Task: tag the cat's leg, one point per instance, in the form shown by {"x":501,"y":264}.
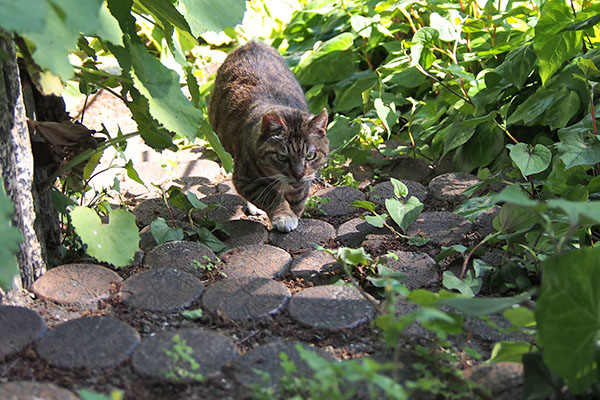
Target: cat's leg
{"x":283,"y":218}
{"x":253,"y":210}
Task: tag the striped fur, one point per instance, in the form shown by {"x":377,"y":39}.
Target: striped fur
{"x":258,"y":110}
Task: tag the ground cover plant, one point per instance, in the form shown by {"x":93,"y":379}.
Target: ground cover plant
{"x":503,"y":89}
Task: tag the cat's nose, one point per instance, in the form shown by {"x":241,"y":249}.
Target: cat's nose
{"x":298,"y":174}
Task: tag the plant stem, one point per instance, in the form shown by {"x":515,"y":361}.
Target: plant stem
{"x":473,"y":250}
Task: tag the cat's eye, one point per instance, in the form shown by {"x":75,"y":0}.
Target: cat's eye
{"x":282,"y":157}
{"x":311,"y":156}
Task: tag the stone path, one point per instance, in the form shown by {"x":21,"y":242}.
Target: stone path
{"x":187,"y":322}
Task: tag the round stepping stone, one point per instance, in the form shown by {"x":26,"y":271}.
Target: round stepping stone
{"x":504,"y":380}
{"x":163,"y":289}
{"x":243,"y":232}
{"x":313,"y":264}
{"x":25,"y":390}
{"x":340,"y":201}
{"x":88,"y":343}
{"x":183,"y":255}
{"x":157,"y":357}
{"x":420,"y":269}
{"x":246,"y":298}
{"x":259,"y":260}
{"x":19,"y":326}
{"x":148,"y":210}
{"x":76,"y":284}
{"x":442,"y":227}
{"x":385,"y":190}
{"x":199,"y":168}
{"x":267,"y":359}
{"x":352,"y":233}
{"x":483,"y":223}
{"x":412,"y":169}
{"x":227,"y":207}
{"x":309,"y":231}
{"x":330,"y":307}
{"x":449,"y":187}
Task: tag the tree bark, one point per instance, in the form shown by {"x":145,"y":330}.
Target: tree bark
{"x":16,"y":165}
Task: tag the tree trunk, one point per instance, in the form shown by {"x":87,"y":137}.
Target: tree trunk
{"x":16,"y":165}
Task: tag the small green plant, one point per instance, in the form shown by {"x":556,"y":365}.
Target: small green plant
{"x":208,"y":265}
{"x":314,"y":205}
{"x":402,"y":213}
{"x":183,"y":363}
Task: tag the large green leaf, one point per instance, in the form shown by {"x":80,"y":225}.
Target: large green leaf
{"x":330,"y":62}
{"x":341,"y":131}
{"x":530,"y":160}
{"x":568,"y":316}
{"x":65,"y":20}
{"x":11,"y":237}
{"x":160,"y":86}
{"x":404,"y":214}
{"x":23,"y":15}
{"x":552,"y":44}
{"x":423,"y":41}
{"x":574,"y":149}
{"x":115,"y":242}
{"x":479,"y":307}
{"x":210,"y":15}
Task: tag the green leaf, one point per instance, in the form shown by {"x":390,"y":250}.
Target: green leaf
{"x":160,"y":86}
{"x":478,"y":307}
{"x":341,"y":132}
{"x":215,"y":143}
{"x":192,"y":314}
{"x":552,"y":44}
{"x":132,"y":173}
{"x":353,"y":256}
{"x":115,"y":242}
{"x":579,"y":26}
{"x":520,"y":316}
{"x":11,"y":238}
{"x":530,"y":161}
{"x":165,"y":12}
{"x":400,"y":189}
{"x":404,"y":214}
{"x":377,"y":221}
{"x":367,"y":205}
{"x":469,"y":286}
{"x":533,"y":107}
{"x":210,"y":15}
{"x":387,"y":114}
{"x":586,"y":213}
{"x":540,"y":382}
{"x":23,"y":15}
{"x":161,"y":232}
{"x":568,"y":316}
{"x":461,"y":131}
{"x":330,"y":62}
{"x":509,"y":351}
{"x":422,"y":40}
{"x":207,"y":238}
{"x":448,"y":31}
{"x":574,"y":150}
{"x":195,"y":201}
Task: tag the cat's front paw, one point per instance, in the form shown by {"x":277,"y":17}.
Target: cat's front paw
{"x":285,"y":223}
{"x":253,"y":210}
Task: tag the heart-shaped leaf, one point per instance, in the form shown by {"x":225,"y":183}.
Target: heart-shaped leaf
{"x":115,"y":242}
{"x":404,"y":214}
{"x":530,"y":161}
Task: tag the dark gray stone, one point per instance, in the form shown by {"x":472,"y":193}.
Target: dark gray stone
{"x":222,"y":207}
{"x":420,"y":269}
{"x":352,"y":233}
{"x":246,"y":298}
{"x":331,"y":307}
{"x":26,"y":390}
{"x":244,"y":232}
{"x":19,"y":326}
{"x":309,"y":231}
{"x":259,"y":260}
{"x":148,"y":210}
{"x":410,"y":168}
{"x":449,"y":187}
{"x":266,"y":358}
{"x":483,"y":223}
{"x":442,"y":227}
{"x":76,"y":284}
{"x":88,"y":343}
{"x":163,"y":289}
{"x":209,"y":349}
{"x":313,"y":264}
{"x":504,"y":380}
{"x":340,"y":201}
{"x":183,"y":255}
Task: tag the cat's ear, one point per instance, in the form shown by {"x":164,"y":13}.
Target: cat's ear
{"x":272,"y":122}
{"x":319,"y":122}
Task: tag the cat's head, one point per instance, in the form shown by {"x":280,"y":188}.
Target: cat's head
{"x":293,"y":144}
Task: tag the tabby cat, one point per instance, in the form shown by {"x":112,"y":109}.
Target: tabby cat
{"x":258,"y":110}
